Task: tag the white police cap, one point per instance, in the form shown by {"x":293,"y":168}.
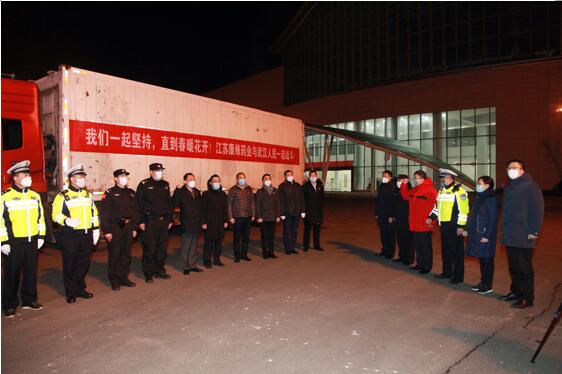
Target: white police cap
{"x":446,"y":173}
{"x":20,"y":167}
{"x":75,"y":170}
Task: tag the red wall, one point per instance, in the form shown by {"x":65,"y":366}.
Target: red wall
{"x":525,"y":95}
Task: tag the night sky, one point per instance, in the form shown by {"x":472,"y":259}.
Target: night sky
{"x":192,"y":47}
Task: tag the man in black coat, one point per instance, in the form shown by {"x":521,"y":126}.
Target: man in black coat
{"x":402,"y":226}
{"x":522,"y":219}
{"x":385,"y":212}
{"x":313,"y":191}
{"x":188,"y":199}
{"x":291,"y":203}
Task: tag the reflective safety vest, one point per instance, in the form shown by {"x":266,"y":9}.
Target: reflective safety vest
{"x":22,"y":215}
{"x":76,"y":204}
{"x":445,"y":203}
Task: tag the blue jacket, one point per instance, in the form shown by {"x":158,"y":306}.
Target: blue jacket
{"x":522,"y":212}
{"x":483,"y":223}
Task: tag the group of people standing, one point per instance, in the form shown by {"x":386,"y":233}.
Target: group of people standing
{"x":148,"y":213}
{"x":407,"y":215}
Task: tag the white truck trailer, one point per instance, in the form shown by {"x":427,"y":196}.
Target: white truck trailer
{"x":107,"y":123}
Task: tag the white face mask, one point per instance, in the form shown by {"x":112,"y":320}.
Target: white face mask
{"x":513,"y":173}
{"x":267,"y":183}
{"x":26,"y":182}
{"x":122,"y":181}
{"x":216,"y":186}
{"x":313,"y":179}
{"x":398,"y":184}
{"x":158,"y":175}
{"x":418,"y":181}
{"x":385,"y":180}
{"x":191,"y":184}
{"x":81,"y":182}
{"x":290,"y":178}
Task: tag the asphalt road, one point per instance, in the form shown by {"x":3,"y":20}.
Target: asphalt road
{"x":339,"y":311}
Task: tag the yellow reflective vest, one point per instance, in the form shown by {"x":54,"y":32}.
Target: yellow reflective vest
{"x":445,"y":203}
{"x":22,"y":215}
{"x":72,"y":203}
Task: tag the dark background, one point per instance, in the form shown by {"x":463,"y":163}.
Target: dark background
{"x":193,"y":47}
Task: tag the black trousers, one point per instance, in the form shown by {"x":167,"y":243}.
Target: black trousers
{"x":522,"y":275}
{"x":267,"y":237}
{"x":315,"y":227}
{"x":189,"y":249}
{"x":290,"y":226}
{"x":424,"y":249}
{"x":212,"y":251}
{"x":76,"y":253}
{"x":388,"y":238}
{"x":241,"y":235}
{"x":487,"y":272}
{"x":155,"y":245}
{"x":405,"y":243}
{"x":22,"y":259}
{"x":452,"y":251}
{"x":119,"y":254}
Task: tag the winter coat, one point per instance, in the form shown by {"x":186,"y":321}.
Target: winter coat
{"x":387,"y":198}
{"x":267,"y":204}
{"x":522,"y":212}
{"x":421,"y":202}
{"x":314,"y":201}
{"x":241,"y":202}
{"x":291,"y":199}
{"x":402,"y":208}
{"x":190,"y":209}
{"x":214,"y":213}
{"x":482,"y":223}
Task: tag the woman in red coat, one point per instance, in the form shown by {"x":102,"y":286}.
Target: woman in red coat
{"x":421,"y":200}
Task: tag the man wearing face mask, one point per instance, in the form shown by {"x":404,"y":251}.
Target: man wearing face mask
{"x":522,"y":219}
{"x":385,"y":213}
{"x":119,"y":220}
{"x":403,"y":233}
{"x":267,"y":213}
{"x":313,"y":192}
{"x":291,"y":201}
{"x":22,"y":233}
{"x":155,"y":216}
{"x":451,"y":210}
{"x":75,"y":211}
{"x":241,"y":213}
{"x":188,"y":199}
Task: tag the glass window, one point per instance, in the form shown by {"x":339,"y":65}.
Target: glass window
{"x":414,"y":126}
{"x":427,"y":126}
{"x":482,"y":149}
{"x":482,"y":121}
{"x":493,"y":121}
{"x":402,"y":127}
{"x":467,"y":122}
{"x":370,"y":126}
{"x":379,"y":127}
{"x":390,"y":122}
{"x":12,"y":135}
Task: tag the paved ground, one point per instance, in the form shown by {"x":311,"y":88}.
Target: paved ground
{"x":341,"y":311}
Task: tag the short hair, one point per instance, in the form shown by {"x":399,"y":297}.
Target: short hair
{"x":265,"y":175}
{"x":187,"y":175}
{"x":518,"y":161}
{"x":488,"y":180}
{"x":313,"y":171}
{"x":402,"y":176}
{"x":287,"y":171}
{"x":387,"y":172}
{"x":240,"y":173}
{"x":421,"y":173}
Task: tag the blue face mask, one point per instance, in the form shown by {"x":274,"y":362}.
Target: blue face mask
{"x":479,"y":188}
{"x":216,"y":186}
{"x":241,"y":182}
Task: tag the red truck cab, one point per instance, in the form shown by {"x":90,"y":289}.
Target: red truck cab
{"x":22,"y":137}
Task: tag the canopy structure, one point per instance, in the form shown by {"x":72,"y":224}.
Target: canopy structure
{"x":391,"y":146}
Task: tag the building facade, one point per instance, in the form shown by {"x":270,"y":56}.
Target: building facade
{"x":473,"y":84}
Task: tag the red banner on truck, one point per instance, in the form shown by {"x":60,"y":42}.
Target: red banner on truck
{"x":109,"y":138}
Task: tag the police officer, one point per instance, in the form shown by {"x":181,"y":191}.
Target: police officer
{"x":155,"y":216}
{"x":75,"y":211}
{"x":119,"y":219}
{"x":22,"y":233}
{"x":451,"y":209}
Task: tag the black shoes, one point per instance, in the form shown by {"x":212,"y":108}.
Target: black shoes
{"x":396,"y":260}
{"x":85,"y":295}
{"x":318,"y":248}
{"x":221,"y":264}
{"x":236,"y":260}
{"x":423,"y":271}
{"x":380,"y":254}
{"x":484,"y":291}
{"x":476,"y":287}
{"x":70,"y":299}
{"x":272,"y":255}
{"x":454,"y":281}
{"x":246,"y":258}
{"x":442,"y":276}
{"x":417,"y":267}
{"x":148,"y":278}
{"x":128,"y":283}
{"x":196,"y":270}
{"x":115,"y":287}
{"x":208,"y":266}
{"x":186,"y":271}
{"x":162,"y":275}
{"x":521,"y":304}
{"x":10,"y":313}
{"x":509,"y":297}
{"x":305,"y":249}
{"x":32,"y":306}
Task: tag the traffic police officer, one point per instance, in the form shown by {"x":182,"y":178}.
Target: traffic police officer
{"x":75,"y":211}
{"x":22,"y":233}
{"x":119,"y":219}
{"x":155,"y":216}
{"x":451,"y":209}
